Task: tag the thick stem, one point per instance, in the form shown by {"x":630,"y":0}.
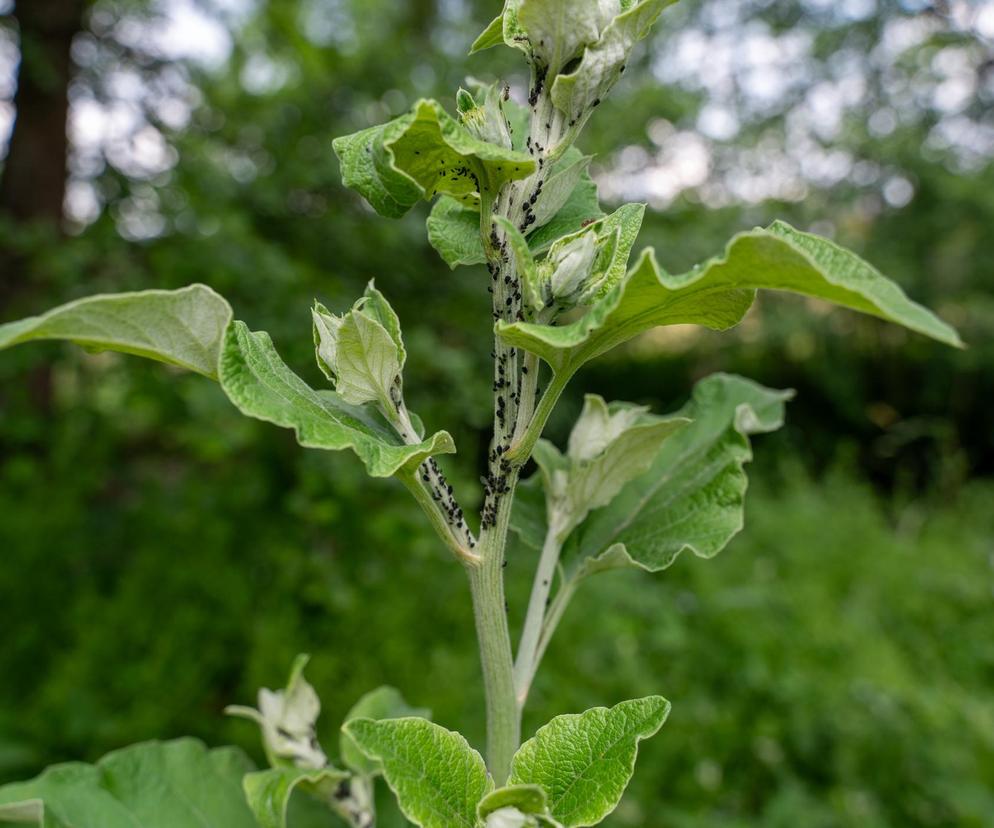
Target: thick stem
{"x":490,"y":610}
{"x":526,"y":662}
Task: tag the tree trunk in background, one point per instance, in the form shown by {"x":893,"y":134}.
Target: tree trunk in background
{"x":33,"y":183}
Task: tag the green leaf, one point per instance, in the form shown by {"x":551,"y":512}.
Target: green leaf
{"x":529,"y":799}
{"x":693,"y":493}
{"x":362,"y":351}
{"x":422,"y":154}
{"x":492,"y":36}
{"x":579,"y":92}
{"x":179,"y":327}
{"x":581,"y":209}
{"x":558,"y":30}
{"x":268,"y":792}
{"x":584,"y":761}
{"x":260,"y":384}
{"x":454,"y":229}
{"x":153,"y":784}
{"x":381,"y":703}
{"x":288,"y":720}
{"x":437,"y":777}
{"x":718,"y":293}
{"x":608,"y":447}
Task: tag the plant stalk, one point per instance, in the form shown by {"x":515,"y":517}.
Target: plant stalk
{"x":490,"y":611}
{"x":526,"y":662}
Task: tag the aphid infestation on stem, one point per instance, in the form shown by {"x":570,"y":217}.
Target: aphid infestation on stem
{"x":631,"y":489}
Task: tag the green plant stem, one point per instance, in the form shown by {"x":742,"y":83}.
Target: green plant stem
{"x":521,"y":448}
{"x":526,"y":662}
{"x":490,"y":611}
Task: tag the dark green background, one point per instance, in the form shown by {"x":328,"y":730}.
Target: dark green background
{"x":162,"y":557}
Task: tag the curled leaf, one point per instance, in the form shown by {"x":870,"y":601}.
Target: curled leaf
{"x":422,"y":154}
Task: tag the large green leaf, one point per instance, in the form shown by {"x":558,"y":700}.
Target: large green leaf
{"x":381,"y":703}
{"x":180,"y":327}
{"x":718,"y":293}
{"x":454,"y":229}
{"x":149,"y":785}
{"x":693,"y":493}
{"x":260,"y":384}
{"x":585,"y":761}
{"x":421,"y":154}
{"x":437,"y":777}
{"x":268,"y":792}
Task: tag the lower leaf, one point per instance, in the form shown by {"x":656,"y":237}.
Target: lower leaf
{"x":585,"y":761}
{"x":153,"y":784}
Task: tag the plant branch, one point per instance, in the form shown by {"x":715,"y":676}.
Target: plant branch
{"x":433,"y":493}
{"x":526,"y":662}
{"x":524,"y":440}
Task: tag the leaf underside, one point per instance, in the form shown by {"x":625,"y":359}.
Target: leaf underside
{"x":268,"y":792}
{"x":182,"y":327}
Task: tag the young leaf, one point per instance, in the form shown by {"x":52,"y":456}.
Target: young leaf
{"x":422,"y":154}
{"x":260,"y":384}
{"x":718,"y":293}
{"x":268,"y":792}
{"x":437,"y":777}
{"x":288,"y":720}
{"x":609,"y":446}
{"x":381,"y":703}
{"x":362,"y":351}
{"x":584,"y":761}
{"x":692,"y":495}
{"x":153,"y":784}
{"x":529,"y":799}
{"x":454,"y":229}
{"x":179,"y":327}
{"x":558,"y":30}
{"x":576,"y":94}
{"x":492,"y":36}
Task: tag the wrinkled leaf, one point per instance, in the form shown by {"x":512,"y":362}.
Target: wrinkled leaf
{"x":718,"y":293}
{"x":692,"y":496}
{"x":437,"y":777}
{"x":179,"y":327}
{"x":152,"y":785}
{"x":268,"y":792}
{"x":529,"y":799}
{"x":422,"y":154}
{"x":585,"y":761}
{"x":260,"y":384}
{"x":576,"y":94}
{"x":609,"y":446}
{"x":362,"y":351}
{"x":454,"y":229}
{"x":381,"y":703}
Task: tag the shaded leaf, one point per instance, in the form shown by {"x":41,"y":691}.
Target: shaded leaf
{"x":152,"y":785}
{"x":268,"y":792}
{"x":179,"y":327}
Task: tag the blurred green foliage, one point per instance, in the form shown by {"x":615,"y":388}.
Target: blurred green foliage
{"x":163,"y":556}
